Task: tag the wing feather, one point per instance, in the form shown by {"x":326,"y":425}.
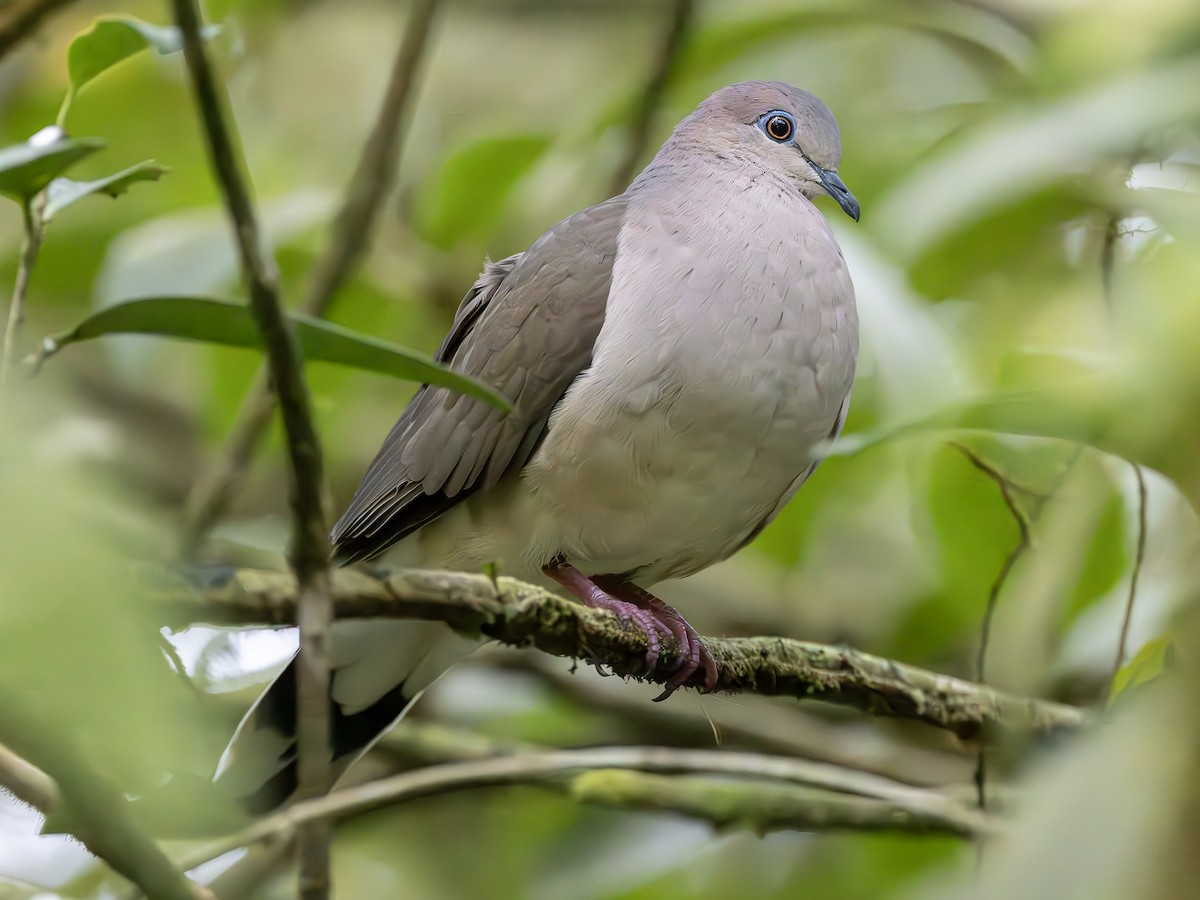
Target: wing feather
{"x":527,"y":328}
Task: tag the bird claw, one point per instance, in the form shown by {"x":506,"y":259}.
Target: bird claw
{"x":658,"y":621}
{"x":692,"y":656}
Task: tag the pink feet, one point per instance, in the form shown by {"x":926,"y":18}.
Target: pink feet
{"x":657,"y":620}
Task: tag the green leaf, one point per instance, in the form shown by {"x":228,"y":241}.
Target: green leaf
{"x":27,"y":168}
{"x":111,"y":40}
{"x":724,"y":42}
{"x":970,"y":531}
{"x":190,"y":251}
{"x":1149,"y":663}
{"x":217,"y":321}
{"x":1082,"y":409}
{"x":62,"y":192}
{"x":468,"y":194}
{"x":1106,"y":558}
{"x":1009,"y":158}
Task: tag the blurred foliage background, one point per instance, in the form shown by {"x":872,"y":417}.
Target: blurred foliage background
{"x":1027,"y":171}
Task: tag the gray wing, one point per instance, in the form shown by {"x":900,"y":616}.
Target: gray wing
{"x":527,"y":328}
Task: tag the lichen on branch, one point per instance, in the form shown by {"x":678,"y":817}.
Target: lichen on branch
{"x":521,"y":614}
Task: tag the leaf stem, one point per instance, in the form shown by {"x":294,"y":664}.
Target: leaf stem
{"x":16,"y":310}
{"x":1138,"y":560}
{"x":368,"y":188}
{"x":309,"y":550}
{"x":654,"y":92}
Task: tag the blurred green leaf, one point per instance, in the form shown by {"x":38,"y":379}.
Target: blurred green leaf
{"x":192,"y":251}
{"x":1011,"y":157}
{"x":1148,"y":664}
{"x":27,"y":168}
{"x":111,"y":40}
{"x":1028,"y":230}
{"x":972,"y":532}
{"x":1106,"y":558}
{"x":468,"y":193}
{"x":223,"y":322}
{"x":62,"y":192}
{"x":713,"y":47}
{"x":721,"y":43}
{"x":1082,"y":412}
{"x":210,"y":812}
{"x":76,"y":635}
{"x":1110,"y":816}
{"x":1028,"y":367}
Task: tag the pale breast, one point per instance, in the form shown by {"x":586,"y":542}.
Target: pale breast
{"x":727,"y":350}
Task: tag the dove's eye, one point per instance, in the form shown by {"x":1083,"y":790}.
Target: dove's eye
{"x":778,"y":126}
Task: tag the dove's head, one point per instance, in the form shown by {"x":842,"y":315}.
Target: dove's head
{"x":780,"y":126}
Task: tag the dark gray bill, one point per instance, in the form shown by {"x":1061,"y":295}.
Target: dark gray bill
{"x":836,"y":188}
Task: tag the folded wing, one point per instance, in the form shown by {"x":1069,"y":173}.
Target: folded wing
{"x":527,"y":328}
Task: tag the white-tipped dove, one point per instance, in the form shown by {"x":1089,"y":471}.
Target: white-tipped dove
{"x":672,"y":356}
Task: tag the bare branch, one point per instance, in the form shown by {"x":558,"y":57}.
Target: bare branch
{"x":433,"y":744}
{"x":309,"y":548}
{"x":22,"y":20}
{"x":96,"y":810}
{"x":30,"y":245}
{"x":900,"y":808}
{"x":1108,"y":259}
{"x":520,"y":614}
{"x":246,"y":878}
{"x":369,"y":186}
{"x":27,"y":782}
{"x":1023,"y":527}
{"x":1138,"y":559}
{"x":682,"y":14}
{"x":759,"y":806}
{"x":1024,"y":523}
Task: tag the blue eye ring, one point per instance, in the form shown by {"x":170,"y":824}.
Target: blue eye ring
{"x":779,"y":126}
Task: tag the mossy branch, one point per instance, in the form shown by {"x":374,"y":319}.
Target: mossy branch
{"x":758,"y":806}
{"x":521,"y":614}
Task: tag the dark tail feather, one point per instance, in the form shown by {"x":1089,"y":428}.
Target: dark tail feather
{"x":380,"y":669}
{"x":275,"y":713}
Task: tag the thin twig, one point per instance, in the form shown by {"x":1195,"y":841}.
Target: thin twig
{"x":760,"y":806}
{"x":309,"y":549}
{"x":1023,"y":528}
{"x":748,"y":724}
{"x":523,"y":614}
{"x":21,"y":21}
{"x":682,"y":15}
{"x":30,"y":245}
{"x":98,"y":813}
{"x":434,"y":744}
{"x":1112,"y":234}
{"x":1138,"y":559}
{"x":1108,"y":255}
{"x":27,"y":782}
{"x":907,"y":807}
{"x":424,"y":743}
{"x":246,"y":878}
{"x":365,"y":194}
{"x":985,"y":628}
